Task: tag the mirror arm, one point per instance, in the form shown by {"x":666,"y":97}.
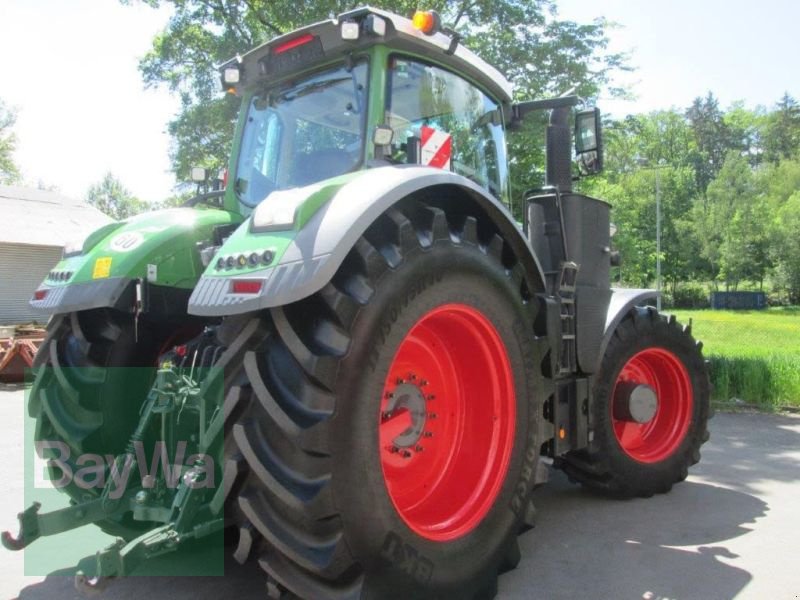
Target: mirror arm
{"x":521,"y":109}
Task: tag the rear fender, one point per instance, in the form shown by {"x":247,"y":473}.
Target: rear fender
{"x":159,"y":247}
{"x":307,"y":259}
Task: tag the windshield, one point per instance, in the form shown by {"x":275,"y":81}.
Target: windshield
{"x":307,"y":130}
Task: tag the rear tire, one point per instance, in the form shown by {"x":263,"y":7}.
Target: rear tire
{"x":321,"y":496}
{"x":628,"y":458}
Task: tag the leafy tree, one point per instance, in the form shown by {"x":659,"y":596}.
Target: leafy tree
{"x":9,"y":172}
{"x":746,"y":131}
{"x":633,"y":196}
{"x":786,"y":252}
{"x":634,"y":145}
{"x":712,"y":137}
{"x":779,"y":181}
{"x":661,"y":137}
{"x":541,"y":54}
{"x":112,"y":198}
{"x":782,"y":131}
{"x":733,"y":225}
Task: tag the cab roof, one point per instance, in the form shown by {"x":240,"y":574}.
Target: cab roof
{"x":307,"y":46}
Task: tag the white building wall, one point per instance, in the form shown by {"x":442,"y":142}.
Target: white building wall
{"x":22,"y":269}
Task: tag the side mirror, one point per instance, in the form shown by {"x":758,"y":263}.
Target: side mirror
{"x":589,"y":141}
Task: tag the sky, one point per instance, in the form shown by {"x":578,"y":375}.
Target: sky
{"x":70,"y":68}
{"x":740,"y":49}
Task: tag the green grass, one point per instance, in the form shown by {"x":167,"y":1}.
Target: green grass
{"x":755,"y":355}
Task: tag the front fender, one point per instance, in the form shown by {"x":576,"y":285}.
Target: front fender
{"x":622,"y":301}
{"x":159,"y":247}
{"x":307,"y":259}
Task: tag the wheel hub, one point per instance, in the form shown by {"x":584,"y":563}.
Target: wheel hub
{"x":651,"y":406}
{"x":407,"y":397}
{"x":636,"y":402}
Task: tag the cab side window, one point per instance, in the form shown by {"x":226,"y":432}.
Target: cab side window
{"x":459,"y":127}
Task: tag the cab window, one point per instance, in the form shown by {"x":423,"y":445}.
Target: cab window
{"x":458,"y":126}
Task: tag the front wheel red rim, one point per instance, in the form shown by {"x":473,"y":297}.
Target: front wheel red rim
{"x":659,"y":438}
{"x":447,"y":422}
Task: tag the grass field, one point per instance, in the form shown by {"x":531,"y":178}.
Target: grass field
{"x":755,"y":355}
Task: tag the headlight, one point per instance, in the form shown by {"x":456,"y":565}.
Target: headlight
{"x":277,"y":211}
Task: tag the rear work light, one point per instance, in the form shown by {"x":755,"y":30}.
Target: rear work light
{"x":231,"y":75}
{"x":245,"y":286}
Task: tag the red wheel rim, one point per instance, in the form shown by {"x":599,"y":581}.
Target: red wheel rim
{"x":453,"y":364}
{"x":657,"y":439}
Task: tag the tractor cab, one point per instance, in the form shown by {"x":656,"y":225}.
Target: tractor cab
{"x":367,"y":89}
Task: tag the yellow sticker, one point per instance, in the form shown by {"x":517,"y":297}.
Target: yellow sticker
{"x":102,"y":267}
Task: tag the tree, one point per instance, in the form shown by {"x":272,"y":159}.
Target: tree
{"x":661,"y":137}
{"x":733,"y":225}
{"x":712,"y":137}
{"x":9,"y":172}
{"x":786,"y":252}
{"x":541,"y":54}
{"x":782,"y":131}
{"x":746,"y":131}
{"x":112,"y":198}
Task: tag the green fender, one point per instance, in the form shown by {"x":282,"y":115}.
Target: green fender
{"x":161,"y":248}
{"x":329,"y":217}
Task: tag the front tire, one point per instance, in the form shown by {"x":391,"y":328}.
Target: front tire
{"x":386,"y":434}
{"x":91,"y":376}
{"x":650,"y":410}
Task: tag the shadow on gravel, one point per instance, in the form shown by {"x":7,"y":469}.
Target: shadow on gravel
{"x":743,"y":461}
{"x":587,"y":546}
{"x":584,"y":545}
{"x":153,"y":583}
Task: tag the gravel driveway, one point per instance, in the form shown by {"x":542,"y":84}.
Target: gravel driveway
{"x":730,"y":531}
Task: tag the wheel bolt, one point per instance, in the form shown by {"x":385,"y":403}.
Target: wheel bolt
{"x":400,"y":381}
{"x":423,"y":382}
{"x":394,"y":449}
{"x":431,"y":415}
{"x":430,"y":397}
{"x":406,"y":454}
{"x":419,"y":448}
{"x":427,"y":434}
{"x":389,"y":395}
{"x":387,"y":415}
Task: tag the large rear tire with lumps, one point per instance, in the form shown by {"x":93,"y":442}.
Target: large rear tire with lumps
{"x":91,"y":377}
{"x":384,"y":436}
{"x":650,"y":409}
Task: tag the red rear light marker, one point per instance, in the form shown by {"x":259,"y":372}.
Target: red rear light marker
{"x":293,"y":43}
{"x":245,"y":286}
{"x":39,"y":294}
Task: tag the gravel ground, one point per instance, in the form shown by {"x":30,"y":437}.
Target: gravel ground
{"x":730,"y":531}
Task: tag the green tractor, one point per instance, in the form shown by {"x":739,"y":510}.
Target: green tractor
{"x":370,"y":361}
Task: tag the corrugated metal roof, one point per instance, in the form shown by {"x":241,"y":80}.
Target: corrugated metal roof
{"x":44,"y":218}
